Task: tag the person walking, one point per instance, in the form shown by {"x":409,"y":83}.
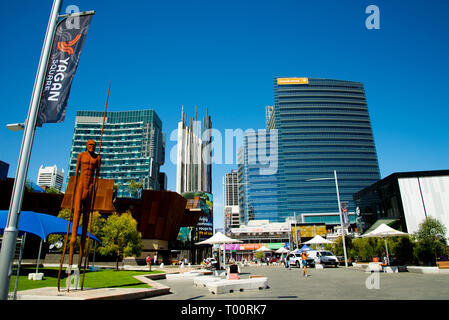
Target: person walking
{"x":304,"y":263}
{"x":287,"y":261}
{"x":148,"y":260}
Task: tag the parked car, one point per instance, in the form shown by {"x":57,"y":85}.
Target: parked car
{"x":324,"y":257}
{"x":296,"y":260}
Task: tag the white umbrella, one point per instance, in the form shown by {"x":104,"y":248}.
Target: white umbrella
{"x":318,"y":240}
{"x":219,"y":238}
{"x":384,"y":231}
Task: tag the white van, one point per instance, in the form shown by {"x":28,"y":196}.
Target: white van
{"x":323,"y":257}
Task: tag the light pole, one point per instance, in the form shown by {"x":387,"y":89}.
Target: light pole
{"x":296,"y":233}
{"x":339,"y":211}
{"x":11,"y":231}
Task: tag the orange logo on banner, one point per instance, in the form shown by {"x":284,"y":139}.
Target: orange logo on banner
{"x":67,"y":46}
{"x":293,"y":80}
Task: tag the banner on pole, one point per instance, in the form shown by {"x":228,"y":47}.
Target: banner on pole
{"x":64,"y":58}
{"x":344,"y":211}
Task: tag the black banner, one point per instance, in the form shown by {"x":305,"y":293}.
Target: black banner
{"x":64,"y":57}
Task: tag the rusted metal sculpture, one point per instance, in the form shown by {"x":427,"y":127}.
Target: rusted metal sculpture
{"x":87,"y":168}
{"x":85,"y":185}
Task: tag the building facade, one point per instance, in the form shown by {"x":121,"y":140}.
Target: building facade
{"x":194,"y":174}
{"x":194,"y":166}
{"x":51,"y":177}
{"x":258,"y":178}
{"x":4,"y":167}
{"x":132,"y":148}
{"x":404,"y":200}
{"x":323,"y":125}
{"x":231,"y":212}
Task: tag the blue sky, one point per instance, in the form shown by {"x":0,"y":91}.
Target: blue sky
{"x":223,"y":56}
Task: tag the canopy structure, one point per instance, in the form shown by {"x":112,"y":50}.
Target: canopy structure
{"x":219,"y":238}
{"x":263,"y":249}
{"x":318,"y":240}
{"x":39,"y":224}
{"x":282,"y":250}
{"x":304,"y":248}
{"x":384,"y":231}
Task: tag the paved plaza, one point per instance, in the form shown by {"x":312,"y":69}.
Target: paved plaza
{"x":322,"y":284}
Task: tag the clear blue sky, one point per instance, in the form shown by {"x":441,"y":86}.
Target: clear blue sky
{"x":223,"y":55}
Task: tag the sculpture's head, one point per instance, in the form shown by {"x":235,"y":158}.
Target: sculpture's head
{"x":91,"y":145}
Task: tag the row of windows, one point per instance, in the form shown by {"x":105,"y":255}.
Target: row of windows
{"x":319,"y":94}
{"x":280,"y":91}
{"x":321,"y":84}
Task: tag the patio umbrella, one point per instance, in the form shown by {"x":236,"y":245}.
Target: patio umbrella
{"x":39,"y":224}
{"x":384,"y":231}
{"x":219,"y":238}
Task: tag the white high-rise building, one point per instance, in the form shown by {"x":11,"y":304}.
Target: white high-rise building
{"x":194,"y":167}
{"x":50,"y":177}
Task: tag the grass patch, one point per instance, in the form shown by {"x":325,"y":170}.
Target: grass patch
{"x":104,"y":278}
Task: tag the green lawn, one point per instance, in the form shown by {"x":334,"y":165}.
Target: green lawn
{"x":104,"y":278}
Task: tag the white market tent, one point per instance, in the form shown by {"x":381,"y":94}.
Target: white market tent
{"x":264,"y":249}
{"x":384,"y":231}
{"x":282,"y":250}
{"x":219,"y":238}
{"x":318,"y":240}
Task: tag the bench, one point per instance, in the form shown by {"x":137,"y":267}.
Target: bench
{"x":229,"y":286}
{"x":186,"y":275}
{"x":203,"y":281}
{"x":443,"y":264}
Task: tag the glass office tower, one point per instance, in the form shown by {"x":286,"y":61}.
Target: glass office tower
{"x":257,"y":177}
{"x":323,"y":125}
{"x":132,"y":148}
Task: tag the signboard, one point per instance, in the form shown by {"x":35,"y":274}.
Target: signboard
{"x":293,"y":81}
{"x":309,"y":231}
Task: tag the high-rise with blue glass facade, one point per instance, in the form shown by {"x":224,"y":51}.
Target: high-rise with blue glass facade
{"x":257,"y":177}
{"x":323,"y":125}
{"x":132,"y":148}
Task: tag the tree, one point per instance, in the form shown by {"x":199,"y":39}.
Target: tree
{"x":402,"y":249}
{"x":96,"y":228}
{"x":52,"y":190}
{"x":134,"y":188}
{"x":338,"y":246}
{"x":430,"y":241}
{"x":121,"y":237}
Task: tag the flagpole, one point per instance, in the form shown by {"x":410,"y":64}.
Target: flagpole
{"x":10,"y":232}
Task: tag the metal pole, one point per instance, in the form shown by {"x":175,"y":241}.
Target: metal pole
{"x":386,"y":248}
{"x":341,"y":219}
{"x":39,"y":256}
{"x":22,"y":245}
{"x":296,"y":233}
{"x":10,"y":232}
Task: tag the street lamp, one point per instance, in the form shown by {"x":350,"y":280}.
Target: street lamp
{"x":15,"y":126}
{"x":339,"y":211}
